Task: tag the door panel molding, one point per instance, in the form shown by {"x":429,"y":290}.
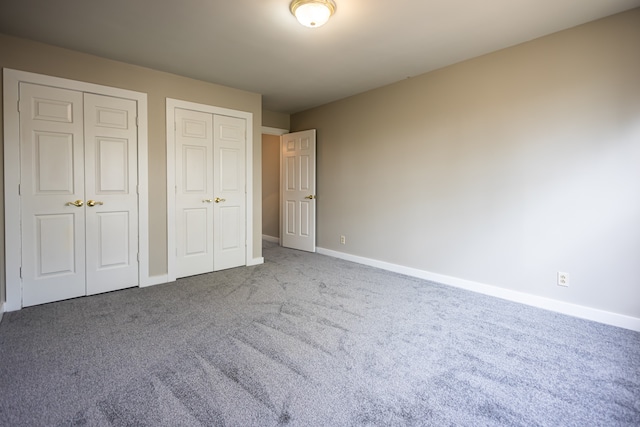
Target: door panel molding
{"x":171,"y":105}
{"x":298,"y":190}
{"x":229,"y":181}
{"x":11,"y":93}
{"x":110,"y":179}
{"x":51,"y":176}
{"x":193,"y":159}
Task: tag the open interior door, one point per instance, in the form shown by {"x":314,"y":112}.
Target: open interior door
{"x":298,"y":189}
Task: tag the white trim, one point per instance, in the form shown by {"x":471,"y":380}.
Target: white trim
{"x":271,"y":239}
{"x":11,"y":89}
{"x":1,"y":310}
{"x":274,"y":131}
{"x":255,"y":261}
{"x":171,"y":105}
{"x":601,"y":316}
{"x":280,"y":195}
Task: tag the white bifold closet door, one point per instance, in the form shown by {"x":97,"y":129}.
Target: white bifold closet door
{"x":210,"y":192}
{"x":78,"y":193}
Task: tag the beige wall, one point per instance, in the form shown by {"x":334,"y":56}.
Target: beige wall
{"x":39,"y":58}
{"x":271,"y":185}
{"x":276,"y":120}
{"x":503,"y":170}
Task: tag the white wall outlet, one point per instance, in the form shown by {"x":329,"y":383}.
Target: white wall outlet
{"x":343,"y":240}
{"x":563,"y":279}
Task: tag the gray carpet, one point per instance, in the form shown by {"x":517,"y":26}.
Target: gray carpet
{"x":308,"y":340}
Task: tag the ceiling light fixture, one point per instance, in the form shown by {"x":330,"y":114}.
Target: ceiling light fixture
{"x":312,"y":13}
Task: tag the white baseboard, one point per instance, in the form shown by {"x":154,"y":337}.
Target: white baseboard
{"x":601,"y":316}
{"x":1,"y":310}
{"x":155,"y":280}
{"x":255,"y":261}
{"x":271,"y":239}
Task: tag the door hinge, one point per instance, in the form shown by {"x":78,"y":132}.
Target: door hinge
{"x":137,"y":189}
{"x":20,"y":272}
{"x":18,"y":105}
{"x":19,"y":190}
{"x":138,"y":256}
{"x":137,"y":121}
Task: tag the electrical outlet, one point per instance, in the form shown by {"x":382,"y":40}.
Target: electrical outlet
{"x":563,"y":279}
{"x":343,"y":240}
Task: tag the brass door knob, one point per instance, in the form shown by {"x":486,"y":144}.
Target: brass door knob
{"x":92,"y":203}
{"x":310,"y":197}
{"x":218,"y":200}
{"x":207,"y":201}
{"x":77,"y":203}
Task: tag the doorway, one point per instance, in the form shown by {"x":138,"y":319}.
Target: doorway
{"x":271,"y":184}
{"x":289,"y":188}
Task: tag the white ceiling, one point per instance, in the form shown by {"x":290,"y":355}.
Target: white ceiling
{"x":257,"y":45}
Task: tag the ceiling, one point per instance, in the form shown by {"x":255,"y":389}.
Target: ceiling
{"x":258,"y":46}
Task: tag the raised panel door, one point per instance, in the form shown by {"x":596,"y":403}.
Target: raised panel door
{"x":52,"y":169}
{"x":111,"y":193}
{"x":229,"y":233}
{"x":298,"y":182}
{"x":194,"y":192}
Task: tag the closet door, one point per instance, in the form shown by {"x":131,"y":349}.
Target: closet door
{"x":78,"y":186}
{"x":111,"y":199}
{"x":52,"y":194}
{"x":194,"y":192}
{"x":230,"y":217}
{"x":210,"y":186}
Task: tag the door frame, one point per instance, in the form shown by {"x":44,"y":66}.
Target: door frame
{"x":277,"y":132}
{"x":13,"y":240}
{"x":171,"y":105}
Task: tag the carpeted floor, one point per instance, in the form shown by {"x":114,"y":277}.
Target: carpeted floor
{"x":309,"y":340}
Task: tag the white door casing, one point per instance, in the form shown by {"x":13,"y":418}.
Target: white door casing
{"x":13,"y":186}
{"x":229,"y":196}
{"x":111,"y":199}
{"x":194,"y":192}
{"x":298,"y":189}
{"x":53,"y":229}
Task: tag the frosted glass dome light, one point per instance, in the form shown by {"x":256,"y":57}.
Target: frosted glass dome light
{"x":312,"y":13}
